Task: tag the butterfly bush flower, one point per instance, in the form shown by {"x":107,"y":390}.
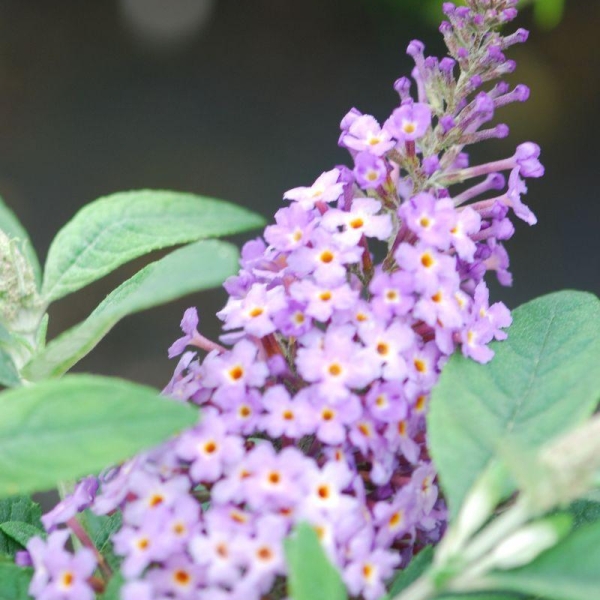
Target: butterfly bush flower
{"x":313,"y":407}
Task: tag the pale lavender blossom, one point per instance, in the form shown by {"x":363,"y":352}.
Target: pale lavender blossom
{"x":320,"y":302}
{"x":370,"y":171}
{"x":209,"y":448}
{"x":292,"y":229}
{"x":189,"y":326}
{"x":363,"y":218}
{"x":409,"y":122}
{"x":254,"y":312}
{"x":284,"y":416}
{"x":364,"y":134}
{"x":60,"y":575}
{"x":325,"y":189}
{"x":326,"y":259}
{"x":82,"y":497}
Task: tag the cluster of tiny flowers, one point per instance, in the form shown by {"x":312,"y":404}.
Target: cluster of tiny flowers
{"x":314,"y":408}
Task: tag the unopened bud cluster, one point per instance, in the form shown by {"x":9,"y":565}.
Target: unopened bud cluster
{"x":18,"y":292}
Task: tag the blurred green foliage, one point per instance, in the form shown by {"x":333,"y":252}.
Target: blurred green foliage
{"x":546,"y":13}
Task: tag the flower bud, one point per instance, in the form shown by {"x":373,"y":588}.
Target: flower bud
{"x":529,"y":542}
{"x":478,"y":507}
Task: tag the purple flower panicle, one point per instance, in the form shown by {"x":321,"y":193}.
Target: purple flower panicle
{"x":313,"y":409}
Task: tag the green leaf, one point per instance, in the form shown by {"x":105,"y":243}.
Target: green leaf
{"x":61,"y":430}
{"x":412,"y":572}
{"x":13,"y":228}
{"x":543,"y":380}
{"x":20,"y":509}
{"x":189,"y":269}
{"x":118,"y":228}
{"x":21,"y":532}
{"x":548,"y":13}
{"x":485,"y":596}
{"x":310,"y":574}
{"x":8,"y":372}
{"x":113,"y":589}
{"x":584,"y":511}
{"x":568,"y":571}
{"x":100,"y":528}
{"x":14,"y":582}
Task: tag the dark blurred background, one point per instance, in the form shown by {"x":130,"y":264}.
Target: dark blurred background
{"x":241,"y":100}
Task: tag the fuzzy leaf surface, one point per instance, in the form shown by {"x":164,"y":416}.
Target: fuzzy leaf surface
{"x":21,"y":532}
{"x":193,"y":268}
{"x":310,"y":574}
{"x":542,"y":381}
{"x":14,"y":582}
{"x":116,"y":229}
{"x":100,"y":528}
{"x":61,"y":430}
{"x":20,"y":509}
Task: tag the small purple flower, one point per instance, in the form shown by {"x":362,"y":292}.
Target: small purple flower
{"x":337,"y":363}
{"x":395,"y":518}
{"x":137,"y":590}
{"x":527,"y":159}
{"x":285,"y":416}
{"x":423,"y":364}
{"x":440,"y":308}
{"x":325,"y":259}
{"x":209,"y":448}
{"x":179,"y":576}
{"x":325,"y":189}
{"x":329,"y":418}
{"x":498,"y":261}
{"x":392,"y":294}
{"x":385,"y":345}
{"x":367,"y":575}
{"x":60,"y":575}
{"x":293,"y":320}
{"x":254,"y":311}
{"x":152,"y":494}
{"x":466,"y":223}
{"x":370,"y":170}
{"x":326,"y":486}
{"x":240,"y":413}
{"x":429,"y":219}
{"x":189,"y":326}
{"x":275,"y":479}
{"x":265,"y":558}
{"x":363,"y":218}
{"x":516,"y":187}
{"x":292,"y":229}
{"x":236,"y":369}
{"x":220,"y":553}
{"x":141,"y":545}
{"x":429,"y":267}
{"x":320,"y":301}
{"x":82,"y":497}
{"x":385,"y":402}
{"x":409,"y":122}
{"x":474,"y":340}
{"x":364,"y":134}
